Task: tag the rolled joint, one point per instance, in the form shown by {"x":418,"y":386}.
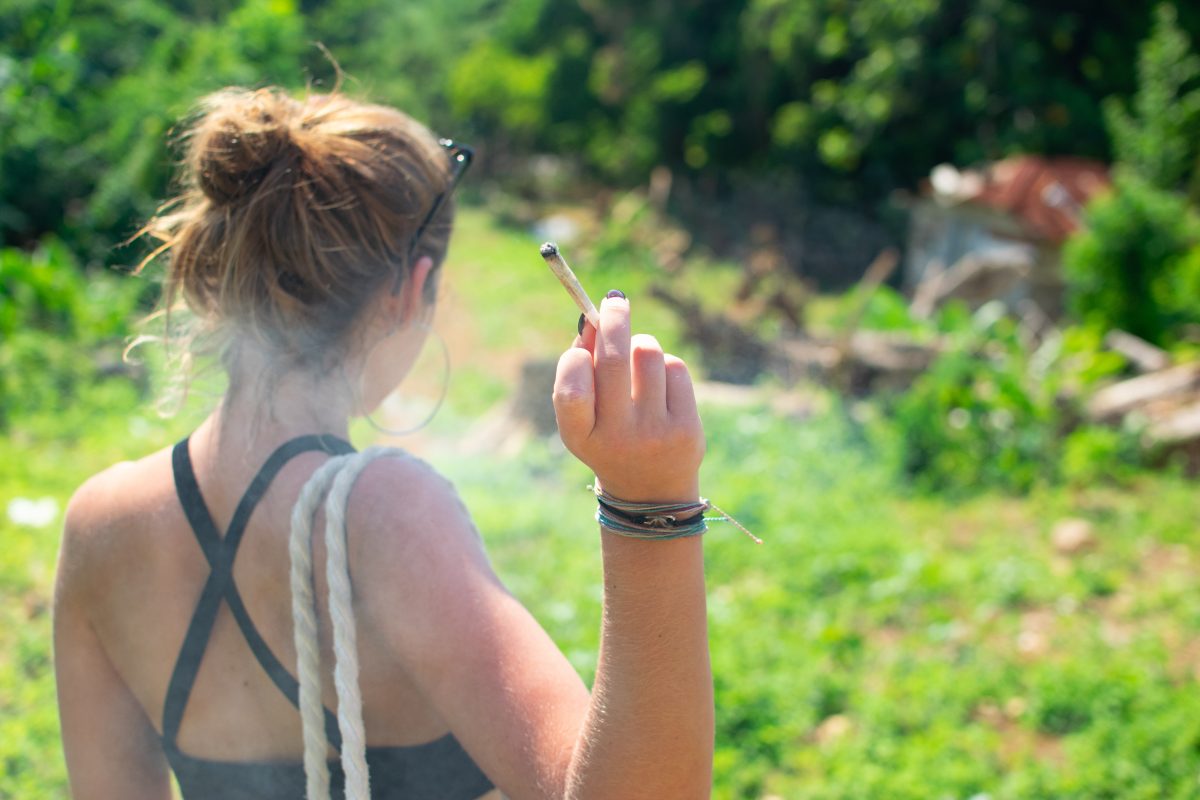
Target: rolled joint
{"x":558,"y":266}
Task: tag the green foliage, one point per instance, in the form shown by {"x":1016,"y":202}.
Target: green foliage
{"x":89,"y":91}
{"x":1136,"y":264}
{"x":853,"y":97}
{"x":850,"y":100}
{"x":61,"y":334}
{"x":992,"y":411}
{"x":1092,"y":455}
{"x":996,"y":408}
{"x":977,"y":416}
{"x":501,"y":90}
{"x":885,"y":309}
{"x":852,"y":65}
{"x":1158,"y":143}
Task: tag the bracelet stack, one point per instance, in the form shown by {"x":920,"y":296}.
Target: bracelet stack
{"x":650,"y":520}
{"x":658,"y":521}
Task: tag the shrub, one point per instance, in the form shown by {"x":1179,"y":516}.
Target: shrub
{"x":992,"y":410}
{"x":1157,"y":141}
{"x":62,"y":332}
{"x":1136,"y":266}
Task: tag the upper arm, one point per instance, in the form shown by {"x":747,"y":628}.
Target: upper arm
{"x":111,"y":748}
{"x":509,"y":695}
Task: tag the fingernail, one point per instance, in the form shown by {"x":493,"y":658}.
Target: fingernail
{"x":579,"y":327}
{"x":615,"y":293}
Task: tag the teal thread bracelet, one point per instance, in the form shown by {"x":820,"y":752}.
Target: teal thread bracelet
{"x":693,"y":527}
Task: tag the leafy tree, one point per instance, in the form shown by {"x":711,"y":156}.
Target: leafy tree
{"x":403,"y":54}
{"x":848,"y":100}
{"x":89,"y":91}
{"x":1158,"y":142}
{"x":1136,"y":264}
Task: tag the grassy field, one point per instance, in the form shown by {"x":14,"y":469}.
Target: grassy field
{"x":879,"y":644}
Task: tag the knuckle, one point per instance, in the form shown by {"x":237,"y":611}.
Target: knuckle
{"x":569,"y":395}
{"x":610,"y":361}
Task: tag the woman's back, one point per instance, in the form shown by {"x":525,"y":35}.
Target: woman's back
{"x":201,"y":670}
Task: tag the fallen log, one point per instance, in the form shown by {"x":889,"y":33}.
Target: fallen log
{"x":1115,"y":401}
{"x":1179,"y":427}
{"x":868,"y":361}
{"x":1143,"y":355}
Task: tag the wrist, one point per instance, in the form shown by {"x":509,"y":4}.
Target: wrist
{"x":656,"y":492}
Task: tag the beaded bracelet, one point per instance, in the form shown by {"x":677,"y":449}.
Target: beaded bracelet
{"x":659,"y":521}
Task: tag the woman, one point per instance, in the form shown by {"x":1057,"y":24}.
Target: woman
{"x":307,"y":245}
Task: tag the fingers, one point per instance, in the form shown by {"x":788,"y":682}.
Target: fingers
{"x":575,"y":397}
{"x":629,"y":375}
{"x":611,"y":359}
{"x":648,"y":374}
{"x":681,"y":396}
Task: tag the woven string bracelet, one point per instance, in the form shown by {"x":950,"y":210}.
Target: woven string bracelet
{"x":659,"y":521}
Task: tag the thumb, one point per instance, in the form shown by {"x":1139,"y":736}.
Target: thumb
{"x":575,"y":397}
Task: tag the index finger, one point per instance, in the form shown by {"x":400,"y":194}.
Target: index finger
{"x":611,"y":358}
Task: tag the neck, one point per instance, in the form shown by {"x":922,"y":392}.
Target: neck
{"x":260,"y":412}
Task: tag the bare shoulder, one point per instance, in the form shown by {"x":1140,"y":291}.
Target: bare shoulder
{"x":128,"y":489}
{"x":106,"y":513}
{"x":414,"y":549}
{"x":403,"y":502}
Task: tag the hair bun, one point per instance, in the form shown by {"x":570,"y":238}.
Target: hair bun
{"x":244,"y":134}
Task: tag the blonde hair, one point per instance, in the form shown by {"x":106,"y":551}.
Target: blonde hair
{"x":294,"y":214}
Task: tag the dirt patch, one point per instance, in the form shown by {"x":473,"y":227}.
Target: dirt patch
{"x":1018,"y":743}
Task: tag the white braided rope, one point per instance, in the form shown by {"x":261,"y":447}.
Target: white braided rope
{"x":340,"y":472}
{"x":304,"y":628}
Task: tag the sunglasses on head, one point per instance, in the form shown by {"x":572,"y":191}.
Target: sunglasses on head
{"x":460,"y":158}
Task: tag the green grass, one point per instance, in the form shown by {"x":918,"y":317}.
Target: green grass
{"x":496,"y":275}
{"x":914,"y":622}
{"x":879,"y":644}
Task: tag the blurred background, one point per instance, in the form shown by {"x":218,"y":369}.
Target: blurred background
{"x":936,"y":266}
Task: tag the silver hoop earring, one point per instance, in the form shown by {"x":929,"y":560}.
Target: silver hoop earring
{"x":442,"y":390}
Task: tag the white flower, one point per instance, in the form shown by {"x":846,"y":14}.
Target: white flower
{"x":32,"y":513}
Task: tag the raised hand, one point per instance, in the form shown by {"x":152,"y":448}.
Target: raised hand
{"x":628,"y":411}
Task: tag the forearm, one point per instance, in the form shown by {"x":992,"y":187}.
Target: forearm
{"x":649,"y":730}
{"x":628,"y":411}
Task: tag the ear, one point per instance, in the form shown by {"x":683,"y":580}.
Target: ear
{"x":412,"y":292}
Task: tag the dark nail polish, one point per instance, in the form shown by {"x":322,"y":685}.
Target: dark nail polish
{"x":579,"y":327}
{"x":615,"y":293}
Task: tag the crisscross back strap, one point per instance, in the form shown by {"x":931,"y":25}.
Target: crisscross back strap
{"x":220,"y":554}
